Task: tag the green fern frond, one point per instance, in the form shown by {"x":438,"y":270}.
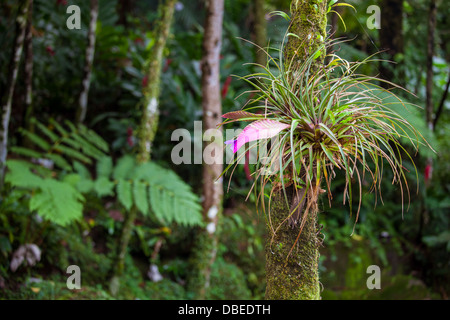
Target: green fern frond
{"x":103,"y":187}
{"x":124,"y":193}
{"x":94,"y":138}
{"x":85,"y":185}
{"x":59,"y":161}
{"x":59,"y":128}
{"x":26,"y":152}
{"x":19,"y":175}
{"x":104,"y":167}
{"x":81,"y":170}
{"x":140,"y":196}
{"x":171,"y":199}
{"x":37,"y":140}
{"x":45,"y":130}
{"x":124,"y":167}
{"x":58,"y":202}
{"x":63,"y":146}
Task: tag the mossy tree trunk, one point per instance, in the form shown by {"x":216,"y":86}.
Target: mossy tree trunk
{"x":292,"y":252}
{"x":147,"y":130}
{"x":204,"y":252}
{"x":150,"y":107}
{"x":308,"y":22}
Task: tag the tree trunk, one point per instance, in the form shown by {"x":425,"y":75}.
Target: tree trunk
{"x":204,"y":253}
{"x":391,"y":38}
{"x":87,"y":72}
{"x":429,"y":64}
{"x":442,"y":103}
{"x":150,"y":111}
{"x":124,"y":7}
{"x":21,"y":22}
{"x":28,"y":75}
{"x":309,"y":24}
{"x":260,"y":31}
{"x":147,"y":129}
{"x":292,"y":253}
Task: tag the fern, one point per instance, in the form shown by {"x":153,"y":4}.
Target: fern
{"x":81,"y":170}
{"x":124,"y":193}
{"x":104,"y":167}
{"x":149,"y":187}
{"x":55,"y":200}
{"x":140,"y":196}
{"x":171,"y":199}
{"x":63,"y":146}
{"x":104,"y":187}
{"x":124,"y":167}
{"x":19,"y":175}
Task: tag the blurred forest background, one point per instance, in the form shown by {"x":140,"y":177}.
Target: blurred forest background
{"x":57,"y":168}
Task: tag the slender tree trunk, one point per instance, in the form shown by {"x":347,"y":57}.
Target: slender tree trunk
{"x":150,"y":111}
{"x":147,"y":129}
{"x":28,"y":75}
{"x":391,"y":38}
{"x":21,"y":22}
{"x":124,"y":7}
{"x":260,"y":31}
{"x":429,"y":63}
{"x":292,"y":251}
{"x":441,"y":104}
{"x":88,"y":65}
{"x":204,"y":254}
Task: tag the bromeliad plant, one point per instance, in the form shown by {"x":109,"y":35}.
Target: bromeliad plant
{"x":325,"y":117}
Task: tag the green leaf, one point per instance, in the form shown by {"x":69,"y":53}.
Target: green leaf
{"x":94,"y":138}
{"x":85,"y":185}
{"x":26,"y":152}
{"x":124,"y":167}
{"x":281,"y":14}
{"x":59,"y":161}
{"x":140,"y":196}
{"x":171,"y":199}
{"x":19,"y":175}
{"x":50,"y":134}
{"x":58,"y":202}
{"x":104,"y":167}
{"x":73,"y":153}
{"x":104,"y":187}
{"x":124,"y":193}
{"x":81,"y":169}
{"x":41,"y":143}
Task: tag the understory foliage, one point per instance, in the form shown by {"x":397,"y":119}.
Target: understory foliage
{"x":58,"y":176}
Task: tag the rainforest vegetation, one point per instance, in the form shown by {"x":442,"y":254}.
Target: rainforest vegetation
{"x":115,"y":173}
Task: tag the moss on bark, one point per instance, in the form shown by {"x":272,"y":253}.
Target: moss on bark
{"x":150,"y":102}
{"x":308,"y":23}
{"x":291,"y":260}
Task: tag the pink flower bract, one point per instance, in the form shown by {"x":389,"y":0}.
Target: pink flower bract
{"x":261,"y":129}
